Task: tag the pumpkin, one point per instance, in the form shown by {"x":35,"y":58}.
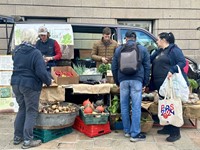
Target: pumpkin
{"x":100,"y":108}
{"x":87,"y":101}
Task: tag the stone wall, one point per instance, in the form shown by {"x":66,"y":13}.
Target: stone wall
{"x":178,"y":16}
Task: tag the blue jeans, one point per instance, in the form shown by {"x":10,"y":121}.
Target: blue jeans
{"x":28,"y":101}
{"x":131,"y":89}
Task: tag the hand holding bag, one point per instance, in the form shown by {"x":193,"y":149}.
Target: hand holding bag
{"x":170,"y":111}
{"x":180,"y":86}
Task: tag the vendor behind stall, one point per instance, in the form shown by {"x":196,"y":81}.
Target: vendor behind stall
{"x":103,"y":49}
{"x":49,"y":47}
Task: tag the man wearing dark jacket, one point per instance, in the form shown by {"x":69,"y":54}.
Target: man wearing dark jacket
{"x":49,"y":47}
{"x":29,"y":73}
{"x":131,"y":87}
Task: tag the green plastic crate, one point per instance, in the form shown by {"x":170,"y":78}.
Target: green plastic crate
{"x":99,"y":118}
{"x":47,"y":135}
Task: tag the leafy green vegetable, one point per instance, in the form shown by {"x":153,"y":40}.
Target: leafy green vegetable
{"x":79,"y":69}
{"x":115,"y":104}
{"x":104,"y":67}
{"x":193,"y":83}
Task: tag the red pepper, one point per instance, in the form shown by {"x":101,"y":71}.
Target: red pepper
{"x":58,"y":73}
{"x":68,"y":74}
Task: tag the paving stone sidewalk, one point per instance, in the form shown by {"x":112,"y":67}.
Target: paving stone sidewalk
{"x":114,"y":141}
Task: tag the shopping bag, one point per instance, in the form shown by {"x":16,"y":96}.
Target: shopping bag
{"x":181,"y":89}
{"x":170,"y":111}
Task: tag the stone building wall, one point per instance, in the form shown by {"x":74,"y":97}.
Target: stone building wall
{"x":178,"y":16}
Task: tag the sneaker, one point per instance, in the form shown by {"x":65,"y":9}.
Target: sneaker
{"x":32,"y":143}
{"x":139,"y":137}
{"x":163,"y":131}
{"x":173,"y":138}
{"x":17,"y":140}
{"x":127,"y":135}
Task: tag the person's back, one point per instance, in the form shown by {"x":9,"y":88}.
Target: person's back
{"x":25,"y":70}
{"x":131,"y":87}
{"x":29,"y":73}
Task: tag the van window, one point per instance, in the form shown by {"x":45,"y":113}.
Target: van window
{"x":83,"y":43}
{"x":84,"y":38}
{"x":143,"y":39}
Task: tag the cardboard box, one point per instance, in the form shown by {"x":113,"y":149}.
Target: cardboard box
{"x":109,"y":77}
{"x":65,"y":80}
{"x":85,"y":53}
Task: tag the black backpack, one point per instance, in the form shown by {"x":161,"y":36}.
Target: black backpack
{"x":129,"y":59}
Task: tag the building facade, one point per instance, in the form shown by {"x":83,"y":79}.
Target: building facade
{"x":177,"y":16}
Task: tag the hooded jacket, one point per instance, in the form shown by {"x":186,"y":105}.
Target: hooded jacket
{"x":29,"y":68}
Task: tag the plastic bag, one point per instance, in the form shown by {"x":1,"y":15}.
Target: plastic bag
{"x":181,"y":89}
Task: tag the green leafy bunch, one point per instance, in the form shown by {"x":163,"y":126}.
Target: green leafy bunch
{"x":115,"y":105}
{"x":79,"y":69}
{"x":193,"y":83}
{"x":103,"y":68}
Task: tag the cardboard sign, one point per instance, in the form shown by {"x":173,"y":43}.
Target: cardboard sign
{"x":8,"y":105}
{"x":5,"y":78}
{"x":6,"y":62}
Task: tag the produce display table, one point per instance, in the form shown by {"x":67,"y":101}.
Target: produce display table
{"x":91,"y":89}
{"x":53,"y":93}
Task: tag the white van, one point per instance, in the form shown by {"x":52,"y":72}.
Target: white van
{"x":76,"y":40}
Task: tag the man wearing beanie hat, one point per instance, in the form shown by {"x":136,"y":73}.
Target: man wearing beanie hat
{"x":49,"y":47}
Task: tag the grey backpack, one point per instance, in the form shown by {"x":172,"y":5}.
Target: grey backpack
{"x":129,"y":59}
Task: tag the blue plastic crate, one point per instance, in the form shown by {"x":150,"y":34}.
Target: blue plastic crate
{"x":46,"y":135}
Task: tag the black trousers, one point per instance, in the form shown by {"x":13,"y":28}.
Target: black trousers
{"x":173,"y":130}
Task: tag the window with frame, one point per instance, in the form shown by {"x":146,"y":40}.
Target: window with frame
{"x":142,"y":24}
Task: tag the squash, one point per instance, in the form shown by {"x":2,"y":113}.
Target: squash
{"x":100,"y":108}
{"x":87,"y":101}
{"x":88,"y":110}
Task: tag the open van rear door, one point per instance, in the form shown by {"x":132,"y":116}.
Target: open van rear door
{"x":6,"y":30}
{"x":62,"y":33}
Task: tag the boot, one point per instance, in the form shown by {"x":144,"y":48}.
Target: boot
{"x":173,"y":138}
{"x":164,"y":130}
